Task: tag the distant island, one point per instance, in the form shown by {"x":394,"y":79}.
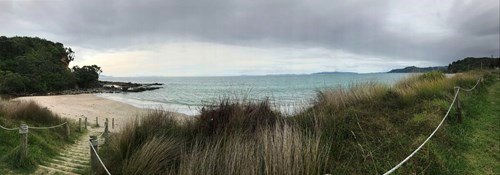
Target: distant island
{"x":413,"y":69}
{"x":325,"y":73}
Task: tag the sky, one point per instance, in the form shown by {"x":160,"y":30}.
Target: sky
{"x":259,"y":37}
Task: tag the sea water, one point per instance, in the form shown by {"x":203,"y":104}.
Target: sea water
{"x":287,"y":93}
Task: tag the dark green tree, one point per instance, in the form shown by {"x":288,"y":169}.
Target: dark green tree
{"x":87,"y":76}
{"x":11,"y":83}
{"x":42,"y":66}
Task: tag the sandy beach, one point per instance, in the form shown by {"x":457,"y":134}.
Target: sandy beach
{"x":90,"y":106}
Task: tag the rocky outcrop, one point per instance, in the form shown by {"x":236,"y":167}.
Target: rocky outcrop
{"x":128,"y":86}
{"x":101,"y":87}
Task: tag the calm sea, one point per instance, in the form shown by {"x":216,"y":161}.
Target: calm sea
{"x":286,"y":92}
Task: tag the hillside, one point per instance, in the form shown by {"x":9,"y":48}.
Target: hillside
{"x":34,"y":65}
{"x":413,"y":69}
{"x":471,"y":63}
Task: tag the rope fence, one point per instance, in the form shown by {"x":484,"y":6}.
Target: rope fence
{"x":468,"y":90}
{"x":24,"y":129}
{"x":437,"y":128}
{"x":97,"y":155}
{"x":8,"y":129}
{"x":48,"y":127}
{"x":23,"y":132}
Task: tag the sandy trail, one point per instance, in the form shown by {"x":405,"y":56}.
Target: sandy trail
{"x":90,"y":106}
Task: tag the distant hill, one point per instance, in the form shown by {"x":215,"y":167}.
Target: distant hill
{"x":471,"y":63}
{"x":413,"y":69}
{"x":324,"y":73}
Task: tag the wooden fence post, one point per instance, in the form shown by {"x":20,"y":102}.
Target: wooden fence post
{"x":67,"y":130}
{"x":113,"y":123}
{"x":93,"y":157}
{"x":96,"y":122}
{"x":79,"y":124}
{"x":23,"y":132}
{"x":85,"y":123}
{"x":106,"y":131}
{"x":459,"y":107}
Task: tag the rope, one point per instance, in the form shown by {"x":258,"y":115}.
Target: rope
{"x":435,"y":130}
{"x":8,"y":129}
{"x":49,"y":127}
{"x":428,"y":138}
{"x":99,"y":158}
{"x":468,"y":90}
{"x":100,"y":134}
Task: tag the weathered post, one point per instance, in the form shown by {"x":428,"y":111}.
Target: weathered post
{"x":79,"y":124}
{"x":93,"y":157}
{"x":23,"y":132}
{"x":459,"y":107}
{"x":96,"y":122}
{"x":67,"y":129}
{"x":106,"y":131}
{"x":85,"y":123}
{"x":112,"y":123}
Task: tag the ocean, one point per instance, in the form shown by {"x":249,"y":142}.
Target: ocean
{"x":288,"y":93}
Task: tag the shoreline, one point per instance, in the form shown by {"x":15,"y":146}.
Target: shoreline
{"x":91,"y":106}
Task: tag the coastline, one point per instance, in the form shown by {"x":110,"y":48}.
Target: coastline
{"x":91,"y":106}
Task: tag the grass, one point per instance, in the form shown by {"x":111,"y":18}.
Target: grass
{"x":477,"y":148}
{"x":365,"y":129}
{"x":42,"y":144}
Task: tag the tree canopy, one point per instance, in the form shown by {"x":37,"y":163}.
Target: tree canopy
{"x":35,"y":65}
{"x":471,"y":63}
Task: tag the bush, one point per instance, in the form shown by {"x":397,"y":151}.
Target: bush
{"x":12,"y":82}
{"x":229,"y":117}
{"x":87,"y":76}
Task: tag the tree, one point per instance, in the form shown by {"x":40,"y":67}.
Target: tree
{"x":11,"y":83}
{"x":87,"y":76}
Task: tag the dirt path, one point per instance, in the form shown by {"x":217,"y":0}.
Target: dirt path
{"x":484,"y":153}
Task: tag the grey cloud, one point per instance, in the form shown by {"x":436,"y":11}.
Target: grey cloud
{"x":354,"y":26}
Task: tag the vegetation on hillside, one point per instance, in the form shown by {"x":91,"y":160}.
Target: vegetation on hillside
{"x":42,"y":144}
{"x":413,"y":69}
{"x":364,"y":129}
{"x":471,"y":63}
{"x":35,"y":65}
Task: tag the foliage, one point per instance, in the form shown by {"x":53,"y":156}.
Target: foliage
{"x":471,"y":63}
{"x":12,"y":82}
{"x":413,"y":69}
{"x":87,"y":76}
{"x":39,"y":66}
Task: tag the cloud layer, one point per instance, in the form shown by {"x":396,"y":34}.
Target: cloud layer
{"x":430,"y":32}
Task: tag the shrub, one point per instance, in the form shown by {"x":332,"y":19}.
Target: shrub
{"x":231,"y":117}
{"x":11,"y":83}
{"x":29,"y":111}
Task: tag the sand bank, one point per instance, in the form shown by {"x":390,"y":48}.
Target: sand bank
{"x":90,"y":106}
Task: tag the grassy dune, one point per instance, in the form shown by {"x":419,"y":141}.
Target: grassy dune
{"x":43,"y":144}
{"x":365,"y":129}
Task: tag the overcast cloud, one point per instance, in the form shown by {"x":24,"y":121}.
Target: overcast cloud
{"x":232,"y":37}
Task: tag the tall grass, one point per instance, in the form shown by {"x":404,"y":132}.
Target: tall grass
{"x":43,"y":144}
{"x":365,"y":129}
{"x":29,"y":111}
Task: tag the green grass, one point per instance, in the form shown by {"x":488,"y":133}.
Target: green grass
{"x":42,"y":144}
{"x":478,"y":137}
{"x":366,"y":129}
